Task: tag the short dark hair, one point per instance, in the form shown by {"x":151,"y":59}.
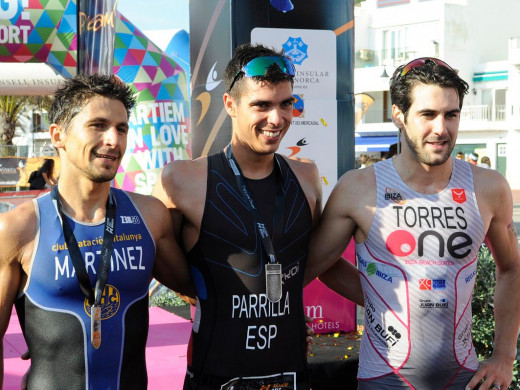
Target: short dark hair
{"x":72,"y":96}
{"x":244,"y":54}
{"x":430,"y":73}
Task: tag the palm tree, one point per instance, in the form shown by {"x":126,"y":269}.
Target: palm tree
{"x":11,"y":110}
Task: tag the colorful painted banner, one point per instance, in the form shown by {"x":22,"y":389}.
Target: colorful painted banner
{"x":46,"y":31}
{"x":39,"y":31}
{"x":160,"y":124}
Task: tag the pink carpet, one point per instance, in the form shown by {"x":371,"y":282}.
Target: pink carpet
{"x":165,"y":351}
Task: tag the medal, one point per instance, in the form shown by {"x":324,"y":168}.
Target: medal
{"x":95,"y":326}
{"x":273,"y":269}
{"x":92,"y":295}
{"x":273,"y":281}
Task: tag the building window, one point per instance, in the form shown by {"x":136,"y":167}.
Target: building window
{"x":501,"y":150}
{"x":394,"y":46}
{"x":37,"y":122}
{"x":387,"y":107}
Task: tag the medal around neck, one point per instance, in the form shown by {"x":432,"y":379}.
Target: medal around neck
{"x":273,"y":281}
{"x":95,"y":326}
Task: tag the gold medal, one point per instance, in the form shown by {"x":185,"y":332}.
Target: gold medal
{"x":95,"y":325}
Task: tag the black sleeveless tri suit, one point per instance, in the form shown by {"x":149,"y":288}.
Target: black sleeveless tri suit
{"x":237,"y":331}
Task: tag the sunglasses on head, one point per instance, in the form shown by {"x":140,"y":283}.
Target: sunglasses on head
{"x":417,"y":63}
{"x":260,"y":65}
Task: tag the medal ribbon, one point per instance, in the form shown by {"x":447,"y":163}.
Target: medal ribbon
{"x":92,"y":294}
{"x":273,"y":268}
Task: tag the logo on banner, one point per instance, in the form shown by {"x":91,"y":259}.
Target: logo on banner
{"x":459,"y":195}
{"x":211,"y":80}
{"x":296,"y":149}
{"x":298,"y":106}
{"x":296,"y":49}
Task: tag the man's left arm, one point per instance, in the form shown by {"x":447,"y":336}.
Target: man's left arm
{"x":502,"y":241}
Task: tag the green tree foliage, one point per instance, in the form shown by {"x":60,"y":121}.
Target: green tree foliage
{"x":164,"y":297}
{"x":12,"y":108}
{"x":482,"y":306}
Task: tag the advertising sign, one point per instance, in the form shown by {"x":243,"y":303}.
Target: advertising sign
{"x":313,"y":132}
{"x":15,"y":171}
{"x":96,"y":35}
{"x":313,"y":135}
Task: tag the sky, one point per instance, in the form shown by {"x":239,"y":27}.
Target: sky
{"x":156,"y":14}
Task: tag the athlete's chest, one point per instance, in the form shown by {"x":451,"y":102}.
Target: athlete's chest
{"x":131,"y":254}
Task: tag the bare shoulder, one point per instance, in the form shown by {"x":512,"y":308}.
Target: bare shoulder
{"x":180,"y":179}
{"x":17,"y":232}
{"x":153,"y":211}
{"x":358,"y":182}
{"x":303,"y":167}
{"x":148,"y":206}
{"x":356,"y":192}
{"x":180,"y":173}
{"x":492,"y":189}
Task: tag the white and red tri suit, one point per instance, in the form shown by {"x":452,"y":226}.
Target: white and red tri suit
{"x":418,"y":267}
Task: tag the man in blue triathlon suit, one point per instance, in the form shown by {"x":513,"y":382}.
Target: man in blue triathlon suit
{"x":418,"y":221}
{"x":77,"y":262}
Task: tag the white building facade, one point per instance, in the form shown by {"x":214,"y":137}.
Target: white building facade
{"x":478,"y":37}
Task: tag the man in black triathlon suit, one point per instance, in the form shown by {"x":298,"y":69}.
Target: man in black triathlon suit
{"x":243,"y":212}
{"x":86,"y":325}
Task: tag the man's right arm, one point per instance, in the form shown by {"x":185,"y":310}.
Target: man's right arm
{"x":181,"y":188}
{"x":13,"y":241}
{"x":329,"y":240}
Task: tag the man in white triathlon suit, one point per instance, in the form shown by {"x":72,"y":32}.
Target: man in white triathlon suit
{"x":418,"y":221}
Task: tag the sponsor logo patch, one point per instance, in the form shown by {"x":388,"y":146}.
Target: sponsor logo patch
{"x":432,"y":284}
{"x":395,"y":196}
{"x":430,"y":304}
{"x":459,"y":195}
{"x":130,"y":219}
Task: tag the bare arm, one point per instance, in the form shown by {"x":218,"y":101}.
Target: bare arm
{"x":328,"y":242}
{"x":181,"y":188}
{"x":170,"y":266}
{"x":49,"y":179}
{"x":13,"y":238}
{"x":309,"y":178}
{"x":9,"y":281}
{"x":343,"y":278}
{"x":163,"y":190}
{"x":501,"y":239}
